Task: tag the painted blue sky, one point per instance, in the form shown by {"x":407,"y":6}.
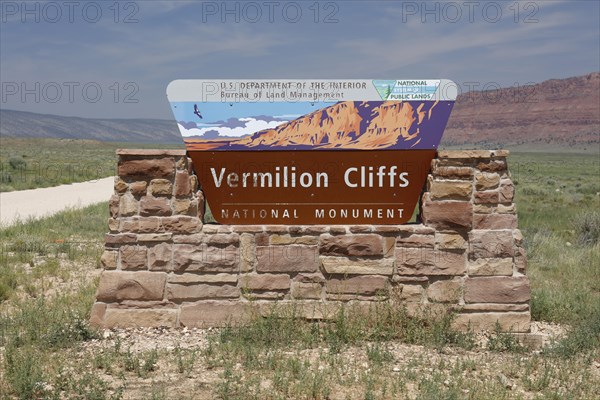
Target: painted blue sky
{"x":214,"y":112}
{"x":237,"y":119}
{"x":64,"y":61}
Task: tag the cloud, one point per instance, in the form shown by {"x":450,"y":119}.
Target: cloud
{"x":187,"y":125}
{"x":244,"y":126}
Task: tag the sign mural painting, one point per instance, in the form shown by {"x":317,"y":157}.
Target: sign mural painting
{"x":312,"y":151}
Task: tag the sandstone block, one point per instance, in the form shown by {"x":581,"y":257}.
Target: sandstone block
{"x":220,"y":239}
{"x":484,"y":208}
{"x":430,"y":262}
{"x":361,"y":229}
{"x":138,"y":188}
{"x":491,"y":266}
{"x":154,"y":237}
{"x":509,"y":321}
{"x":109,"y":259}
{"x":354,"y":245}
{"x":494,"y":221}
{"x":201,"y":205}
{"x":203,"y":258}
{"x":97,"y":314}
{"x":345,"y":266}
{"x":185,"y":207}
{"x":152,"y":206}
{"x":306,"y":290}
{"x":465,"y":154}
{"x":128,"y":205}
{"x":133,"y":257}
{"x":507,"y":208}
{"x":409,"y":279}
{"x":159,"y":257}
{"x":411,"y":293}
{"x":308,"y":230}
{"x":389,"y":245}
{"x":210,"y":229}
{"x":518,"y":236}
{"x":493,"y":307}
{"x":497,"y":290}
{"x":486,"y":197}
{"x":361,"y":285}
{"x":288,"y":239}
{"x":247,"y":252}
{"x":490,"y":244}
{"x":149,"y":225}
{"x":182,"y":184}
{"x":194,"y":238}
{"x":189,"y":279}
{"x":273,"y":296}
{"x":450,"y":172}
{"x":214,"y":313}
{"x":492,"y":166}
{"x":409,"y":239}
{"x":450,"y":241}
{"x":447,"y":214}
{"x":120,"y":185}
{"x":193,"y":183}
{"x":161,"y":187}
{"x":123,"y":238}
{"x":116,"y":286}
{"x":450,"y":190}
{"x":181,"y":224}
{"x":278,"y":229}
{"x":158,"y":167}
{"x":445,"y":291}
{"x":266,"y":282}
{"x":113,"y":225}
{"x":338,"y":230}
{"x":507,"y":191}
{"x":198,"y":291}
{"x":520,"y":259}
{"x":130,"y":224}
{"x":287,"y":259}
{"x":309,"y":278}
{"x":487,"y":180}
{"x":262,"y":239}
{"x":248,"y":228}
{"x":132,"y":318}
{"x":113,"y":205}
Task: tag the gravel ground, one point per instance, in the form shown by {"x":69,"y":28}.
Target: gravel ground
{"x":37,"y":203}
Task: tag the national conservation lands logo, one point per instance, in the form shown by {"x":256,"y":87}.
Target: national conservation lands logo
{"x":312,"y":151}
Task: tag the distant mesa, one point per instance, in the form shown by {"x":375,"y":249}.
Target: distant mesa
{"x":363,"y":125}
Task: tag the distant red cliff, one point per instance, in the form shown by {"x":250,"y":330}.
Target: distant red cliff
{"x":558,"y":111}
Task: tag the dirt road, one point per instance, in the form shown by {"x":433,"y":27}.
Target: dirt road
{"x":36,"y":203}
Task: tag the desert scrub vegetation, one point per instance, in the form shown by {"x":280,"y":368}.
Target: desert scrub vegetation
{"x":48,"y":350}
{"x":28,"y":163}
{"x":557,"y":198}
{"x":35,"y":252}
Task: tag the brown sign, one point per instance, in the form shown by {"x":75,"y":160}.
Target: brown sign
{"x":312,"y":151}
{"x":312,"y":187}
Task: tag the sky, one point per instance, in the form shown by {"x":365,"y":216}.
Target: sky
{"x":237,"y":119}
{"x":108,"y":59}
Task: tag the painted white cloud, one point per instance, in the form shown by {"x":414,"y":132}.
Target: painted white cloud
{"x":251,"y":125}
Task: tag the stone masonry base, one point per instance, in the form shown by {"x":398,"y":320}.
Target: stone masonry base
{"x":164,"y":267}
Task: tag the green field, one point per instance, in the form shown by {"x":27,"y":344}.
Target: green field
{"x":35,"y":163}
{"x":48,"y":275}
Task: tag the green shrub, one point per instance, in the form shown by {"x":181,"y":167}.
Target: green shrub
{"x":587,"y":227}
{"x":17,"y":163}
{"x":504,"y":342}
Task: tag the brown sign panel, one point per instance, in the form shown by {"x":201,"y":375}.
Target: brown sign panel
{"x":312,"y":151}
{"x":312,"y":187}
